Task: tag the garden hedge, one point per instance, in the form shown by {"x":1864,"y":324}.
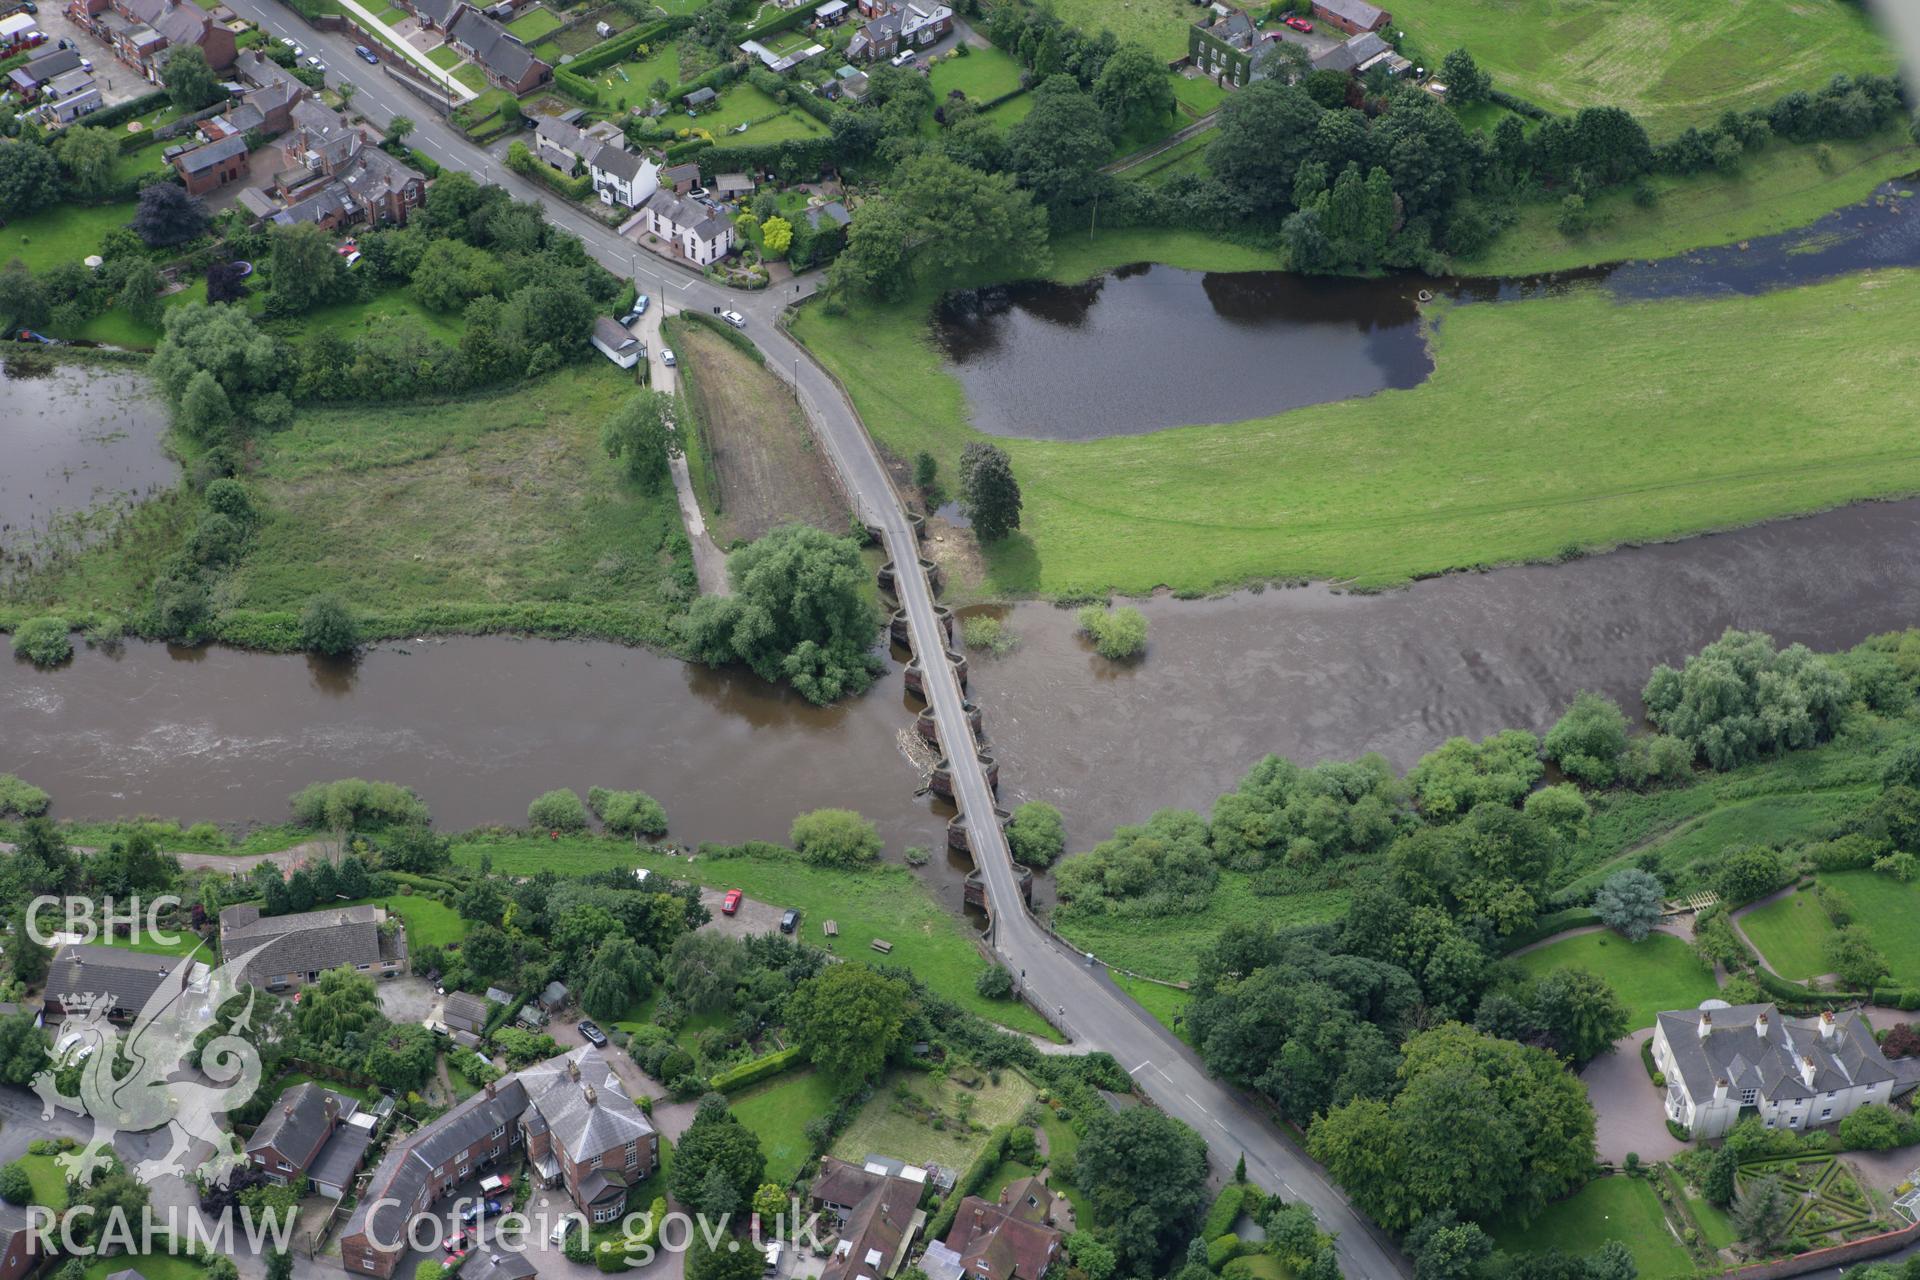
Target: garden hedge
{"x":971,"y":1181}
{"x":803,"y":152}
{"x":746,"y":1073}
{"x":1548,"y":925}
{"x":616,"y":48}
{"x":1798,"y":994}
{"x":107,"y":117}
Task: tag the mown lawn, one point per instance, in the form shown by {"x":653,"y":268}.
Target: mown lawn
{"x":61,"y":233}
{"x":155,"y":1266}
{"x":741,"y":103}
{"x":349,"y":319}
{"x":982,"y":75}
{"x":1658,"y":972}
{"x":500,"y":506}
{"x":880,"y":902}
{"x":444,"y":56}
{"x":184,"y":943}
{"x":893,"y":1126}
{"x":778,"y":1112}
{"x":662,"y":64}
{"x":430,"y":923}
{"x":1671,"y":65}
{"x":1165,"y":946}
{"x":1567,"y":422}
{"x":1621,"y":1208}
{"x":49,"y":1183}
{"x":1778,"y":189}
{"x":536,"y":22}
{"x":1792,"y":933}
{"x":1161,"y":25}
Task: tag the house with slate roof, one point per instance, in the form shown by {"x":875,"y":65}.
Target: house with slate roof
{"x":1232,"y":51}
{"x":1009,"y":1239}
{"x":879,"y":1208}
{"x":696,"y":233}
{"x":19,"y":1251}
{"x":290,"y":1138}
{"x":210,"y":167}
{"x":1723,"y":1062}
{"x":568,"y":1114}
{"x":290,"y":951}
{"x":507,"y":62}
{"x":124,"y":980}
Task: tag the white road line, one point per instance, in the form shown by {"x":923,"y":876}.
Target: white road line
{"x":1145,"y":1063}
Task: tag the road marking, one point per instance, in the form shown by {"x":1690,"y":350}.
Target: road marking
{"x":1145,"y":1062}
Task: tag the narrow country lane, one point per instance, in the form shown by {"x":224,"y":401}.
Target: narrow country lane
{"x":1097,"y":1014}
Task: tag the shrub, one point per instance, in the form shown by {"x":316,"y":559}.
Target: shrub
{"x":1740,"y":699}
{"x":628,"y":813}
{"x":558,"y":810}
{"x":835,"y":838}
{"x":1589,"y":740}
{"x":1116,"y":633}
{"x":353,"y":802}
{"x":44,"y":642}
{"x":987,"y":634}
{"x":18,"y":796}
{"x":15,"y":1186}
{"x":1035,"y":835}
{"x":994,"y":982}
{"x":746,"y":1073}
{"x":327,"y":627}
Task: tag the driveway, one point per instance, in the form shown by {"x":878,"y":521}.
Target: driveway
{"x":1627,"y":1110}
{"x":116,"y":81}
{"x":753,"y":917}
{"x":409,"y":999}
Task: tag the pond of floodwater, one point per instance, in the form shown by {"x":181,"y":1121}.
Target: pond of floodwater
{"x":73,"y":438}
{"x":1145,"y":347}
{"x":1314,"y":675}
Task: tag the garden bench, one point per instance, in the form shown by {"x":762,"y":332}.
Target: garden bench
{"x":882,"y":946}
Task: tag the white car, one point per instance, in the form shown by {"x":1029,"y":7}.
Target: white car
{"x":901,"y":60}
{"x":734,"y":318}
{"x":290,"y":42}
{"x":316,"y":64}
{"x":666,"y":358}
{"x":558,"y":1236}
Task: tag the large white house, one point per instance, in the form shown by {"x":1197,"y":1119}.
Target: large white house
{"x":700,"y":235}
{"x":1725,"y":1061}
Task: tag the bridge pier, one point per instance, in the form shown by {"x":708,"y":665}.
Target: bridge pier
{"x":888,"y":570}
{"x":928,"y":724}
{"x":916,"y":674}
{"x":902,"y":632}
{"x":941,"y":780}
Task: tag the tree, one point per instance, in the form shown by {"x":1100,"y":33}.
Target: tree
{"x":206,"y":413}
{"x":1721,"y":1176}
{"x":1580,"y":1013}
{"x":798,"y":612}
{"x":1265,"y":132}
{"x":190,"y":82}
{"x":1459,"y":774}
{"x":937,"y":220}
{"x":1035,"y":835}
{"x":835,"y":838}
{"x":848,"y":1018}
{"x":1588,"y":741}
{"x":399,"y":129}
{"x":1854,"y":957}
{"x":402,"y":1056}
{"x":1631,"y":901}
{"x":704,"y":968}
{"x":88,"y":156}
{"x":1873,"y":1128}
{"x":1466,"y":82}
{"x":1739,"y":699}
{"x":1162,"y":867}
{"x":1747,"y":873}
{"x":717,"y":1163}
{"x":770,"y":1202}
{"x":1146,"y":1174}
{"x":641,"y":432}
{"x":1057,"y":150}
{"x":988,"y":490}
{"x":167,"y":215}
{"x":1092,"y":1255}
{"x":556,"y":314}
{"x":619,"y":974}
{"x":328,"y":627}
{"x":23,"y":299}
{"x":1481,"y":1126}
{"x":23,"y":1046}
{"x":279,"y":1265}
{"x":1761,"y":1213}
{"x":301,"y":269}
{"x":16,"y":1184}
{"x":1133,"y":89}
{"x":451,"y":273}
{"x":723,"y":1259}
{"x":342,"y":1005}
{"x":628,"y":813}
{"x":993,"y":983}
{"x":1116,"y":633}
{"x":138,"y":292}
{"x":29,"y":177}
{"x":118,"y":1197}
{"x":776,"y":237}
{"x":1444,"y":1248}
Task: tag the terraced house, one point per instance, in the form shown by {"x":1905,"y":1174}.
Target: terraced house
{"x":568,"y":1114}
{"x":141,"y":31}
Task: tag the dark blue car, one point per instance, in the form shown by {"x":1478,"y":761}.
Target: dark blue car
{"x":366,"y":54}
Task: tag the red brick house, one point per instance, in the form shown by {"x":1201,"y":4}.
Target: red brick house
{"x":19,"y":1253}
{"x":141,"y":31}
{"x":212,"y":166}
{"x":1012,"y":1239}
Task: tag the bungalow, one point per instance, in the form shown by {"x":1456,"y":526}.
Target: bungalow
{"x":1360,"y":54}
{"x":914,"y":25}
{"x":695,"y":232}
{"x":289,"y":951}
{"x":210,"y":167}
{"x":612,"y":340}
{"x":507,"y":62}
{"x":69,"y":96}
{"x":1351,"y":16}
{"x":121,"y":981}
{"x":435,"y":15}
{"x":27,"y":80}
{"x":464,"y":1012}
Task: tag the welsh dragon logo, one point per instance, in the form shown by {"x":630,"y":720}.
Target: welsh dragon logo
{"x":141,"y":1078}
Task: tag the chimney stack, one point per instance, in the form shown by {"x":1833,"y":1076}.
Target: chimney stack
{"x":592,"y":1097}
{"x":1706,"y":1023}
{"x":1760,"y":1025}
{"x":1719,"y":1090}
{"x":1827,"y":1027}
{"x":573,"y":1068}
{"x":1806,"y":1069}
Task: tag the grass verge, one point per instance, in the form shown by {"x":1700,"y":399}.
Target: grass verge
{"x":1164,"y":947}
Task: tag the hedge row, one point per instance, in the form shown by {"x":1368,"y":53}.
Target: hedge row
{"x":717,"y":79}
{"x":971,"y":1181}
{"x":804,"y":152}
{"x":746,"y":1073}
{"x":1795,"y":993}
{"x":522,"y":161}
{"x":782,"y":21}
{"x":107,"y":117}
{"x":1516,"y":104}
{"x":1548,"y":925}
{"x":613,"y":50}
{"x":1225,"y":1211}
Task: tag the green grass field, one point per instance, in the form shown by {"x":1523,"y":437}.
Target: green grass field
{"x":1791,"y":934}
{"x":1198,"y":95}
{"x":347,"y":319}
{"x":981,"y":75}
{"x":471,"y":76}
{"x":154,"y":1266}
{"x":1161,"y":25}
{"x":1570,"y":422}
{"x":881,"y":902}
{"x":61,"y":233}
{"x":777,"y":1113}
{"x":1164,"y":947}
{"x":741,"y":103}
{"x":1622,"y":1208}
{"x":184,"y":943}
{"x":885,"y":1127}
{"x":430,"y":923}
{"x":49,"y":1184}
{"x":1672,"y":66}
{"x":1779,"y":189}
{"x":1657,"y":973}
{"x":533,"y":24}
{"x":662,"y":64}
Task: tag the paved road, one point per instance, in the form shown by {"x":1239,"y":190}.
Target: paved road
{"x":1098,"y":1014}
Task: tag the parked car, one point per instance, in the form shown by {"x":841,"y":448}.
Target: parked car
{"x":592,"y":1034}
{"x":28,"y":6}
{"x":626,"y":321}
{"x":731,"y":903}
{"x":774,"y":1251}
{"x":494,"y":1184}
{"x":290,"y":42}
{"x":472,"y":1209}
{"x":454,"y":1257}
{"x":458,"y":1241}
{"x":640,"y":304}
{"x":367,"y":55}
{"x":316,"y":64}
{"x":1297,"y":22}
{"x":558,"y":1236}
{"x":666,"y":356}
{"x":789,"y":920}
{"x":734,"y":318}
{"x":901,"y":60}
{"x":698,"y":193}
